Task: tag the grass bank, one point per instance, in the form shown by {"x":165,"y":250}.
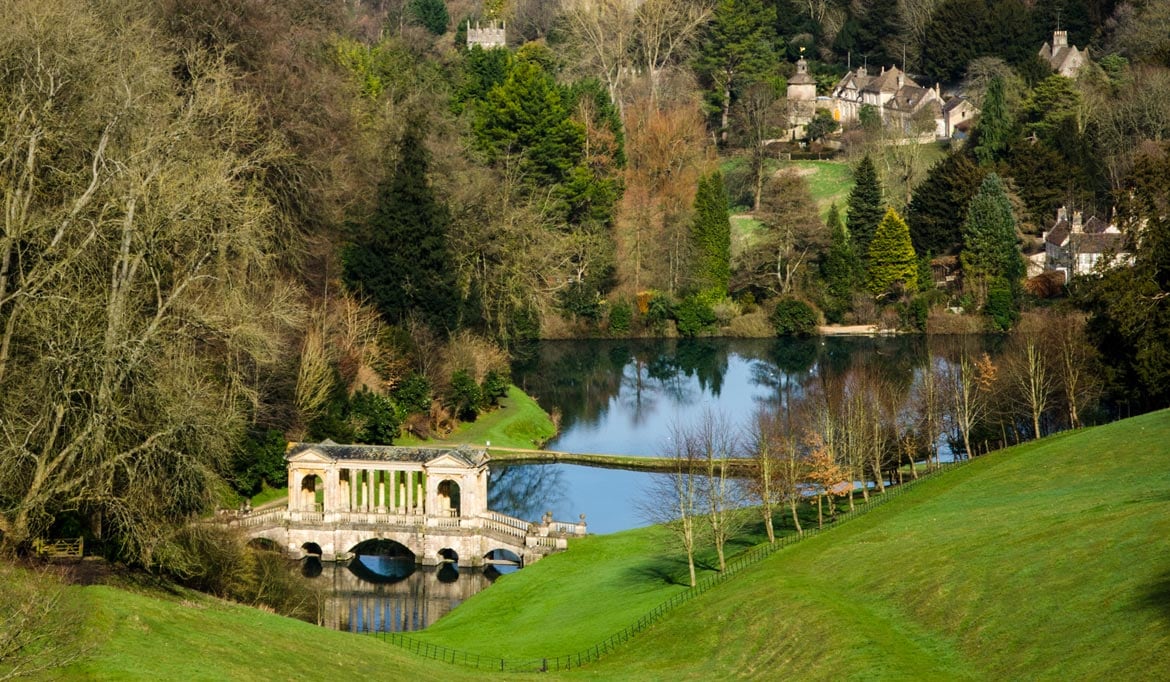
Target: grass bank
{"x":1048,"y":560}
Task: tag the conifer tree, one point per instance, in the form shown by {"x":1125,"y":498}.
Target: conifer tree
{"x":840,"y":267}
{"x":940,"y":202}
{"x":990,"y":247}
{"x":865,"y":205}
{"x":737,"y":47}
{"x":994,"y":129}
{"x":711,"y":236}
{"x":399,"y":256}
{"x":893,"y":265}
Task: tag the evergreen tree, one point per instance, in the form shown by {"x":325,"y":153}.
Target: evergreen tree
{"x":399,"y":257}
{"x":994,"y":130}
{"x":893,"y":265}
{"x":736,"y":49}
{"x":865,"y":205}
{"x":430,"y":14}
{"x":839,"y":268}
{"x":990,"y":249}
{"x":940,"y":202}
{"x":527,"y":116}
{"x":711,"y":236}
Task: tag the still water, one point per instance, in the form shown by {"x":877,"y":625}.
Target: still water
{"x":611,"y":397}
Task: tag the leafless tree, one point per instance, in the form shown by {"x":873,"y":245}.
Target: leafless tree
{"x":969,"y":385}
{"x":1031,"y":379}
{"x":675,"y":499}
{"x":38,"y":624}
{"x":716,"y":442}
{"x":1077,"y":364}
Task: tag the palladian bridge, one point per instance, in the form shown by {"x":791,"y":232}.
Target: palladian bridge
{"x":430,"y":501}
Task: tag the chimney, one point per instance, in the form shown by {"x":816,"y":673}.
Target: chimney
{"x":1059,"y":39}
{"x":1077,"y":223}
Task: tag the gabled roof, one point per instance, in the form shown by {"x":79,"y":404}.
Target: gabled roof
{"x":886,"y":81}
{"x":1059,"y":233}
{"x":1104,"y":242}
{"x":910,"y":98}
{"x":389,"y":453}
{"x":1095,"y":225}
{"x":956,"y":102}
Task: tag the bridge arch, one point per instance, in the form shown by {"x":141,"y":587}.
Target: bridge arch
{"x":503,"y":557}
{"x":312,"y":549}
{"x":448,"y":556}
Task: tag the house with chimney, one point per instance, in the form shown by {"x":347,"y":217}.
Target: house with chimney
{"x":1075,"y":246}
{"x":901,"y":102}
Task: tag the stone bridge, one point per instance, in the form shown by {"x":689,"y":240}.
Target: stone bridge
{"x":430,"y":501}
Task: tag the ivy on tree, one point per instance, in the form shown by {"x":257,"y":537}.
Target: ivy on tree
{"x":399,"y":257}
{"x":893,"y":265}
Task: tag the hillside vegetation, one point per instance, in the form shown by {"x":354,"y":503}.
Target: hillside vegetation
{"x":1045,"y":560}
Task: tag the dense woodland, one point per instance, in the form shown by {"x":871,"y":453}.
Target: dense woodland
{"x":229,"y":223}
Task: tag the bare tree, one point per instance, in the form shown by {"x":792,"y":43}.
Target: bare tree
{"x":38,"y":624}
{"x":714,"y":439}
{"x":1076,"y":363}
{"x":761,"y":117}
{"x":675,"y":499}
{"x":1032,"y":381}
{"x":136,"y":288}
{"x":970,"y":383}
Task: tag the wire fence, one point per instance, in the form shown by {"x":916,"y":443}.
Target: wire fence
{"x":599,"y":649}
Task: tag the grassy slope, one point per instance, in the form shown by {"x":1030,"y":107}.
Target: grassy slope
{"x":1047,"y":560}
{"x":518,"y":423}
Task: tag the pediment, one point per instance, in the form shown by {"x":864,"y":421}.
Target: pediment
{"x":309,"y":456}
{"x":447,"y":461}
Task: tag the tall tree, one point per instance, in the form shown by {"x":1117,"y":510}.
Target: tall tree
{"x":994,"y":129}
{"x":939,"y":203}
{"x":137,"y":298}
{"x":399,"y":257}
{"x":893,"y":266}
{"x":711,"y":236}
{"x":736,"y":48}
{"x":840,"y":267}
{"x":990,"y":243}
{"x":866,"y":205}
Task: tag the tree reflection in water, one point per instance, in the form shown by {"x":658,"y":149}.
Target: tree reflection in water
{"x":525,"y":492}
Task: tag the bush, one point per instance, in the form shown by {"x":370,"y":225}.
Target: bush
{"x":466,"y":396}
{"x":413,"y":395}
{"x":1001,"y":305}
{"x":374,"y":417}
{"x":725,"y":311}
{"x":621,"y":314}
{"x":794,"y":317}
{"x":658,"y":311}
{"x":693,"y":315}
{"x":582,"y":301}
{"x":494,"y":387}
{"x":259,"y":460}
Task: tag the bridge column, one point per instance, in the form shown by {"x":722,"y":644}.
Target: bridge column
{"x":368,"y":502}
{"x":352,"y":490}
{"x":331,"y":500}
{"x":409,"y":485}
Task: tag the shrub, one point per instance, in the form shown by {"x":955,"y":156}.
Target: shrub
{"x":259,"y":460}
{"x":693,"y":315}
{"x":725,"y":311}
{"x":747,"y":303}
{"x":413,"y":394}
{"x":494,"y":387}
{"x":794,"y":317}
{"x":581,"y":300}
{"x":1001,"y":305}
{"x":621,"y":314}
{"x":751,"y":326}
{"x":658,"y":311}
{"x":466,"y":396}
{"x":374,"y":418}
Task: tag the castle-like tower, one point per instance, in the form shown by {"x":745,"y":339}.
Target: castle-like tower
{"x":802,"y":97}
{"x":487,"y":38}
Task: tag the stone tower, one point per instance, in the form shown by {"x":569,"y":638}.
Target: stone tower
{"x":487,"y":37}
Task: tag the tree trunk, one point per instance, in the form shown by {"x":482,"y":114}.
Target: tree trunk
{"x":795,"y":517}
{"x":726,"y":110}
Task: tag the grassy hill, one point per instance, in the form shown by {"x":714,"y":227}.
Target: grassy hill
{"x":1049,"y":560}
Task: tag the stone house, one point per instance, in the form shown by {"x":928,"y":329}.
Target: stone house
{"x":1064,"y":59}
{"x":488,"y":37}
{"x":895,"y":96}
{"x":802,"y":98}
{"x":1075,"y":246}
{"x":958,"y":117}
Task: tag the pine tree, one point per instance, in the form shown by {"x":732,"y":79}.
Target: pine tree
{"x":865,"y":205}
{"x":840,"y":267}
{"x":399,"y":257}
{"x":893,"y":265}
{"x":711,"y":236}
{"x":736,"y":48}
{"x":940,"y":202}
{"x":990,"y":249}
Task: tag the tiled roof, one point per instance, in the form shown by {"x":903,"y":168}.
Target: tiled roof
{"x":954,"y":103}
{"x":909,"y":98}
{"x":1104,"y":242}
{"x":1059,"y":233}
{"x":387,"y":453}
{"x":887,"y":81}
{"x":1095,"y":225}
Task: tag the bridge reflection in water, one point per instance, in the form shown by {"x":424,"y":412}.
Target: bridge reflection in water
{"x":392,"y":594}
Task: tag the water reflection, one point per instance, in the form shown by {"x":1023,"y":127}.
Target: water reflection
{"x":389,"y":594}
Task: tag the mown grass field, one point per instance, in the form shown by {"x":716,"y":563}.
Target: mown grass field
{"x":1050,"y":560}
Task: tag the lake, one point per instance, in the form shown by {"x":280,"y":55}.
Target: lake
{"x":611,"y":397}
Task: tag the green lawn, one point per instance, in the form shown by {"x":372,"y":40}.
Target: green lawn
{"x":1045,"y":561}
{"x":518,"y":423}
{"x":829,"y":181}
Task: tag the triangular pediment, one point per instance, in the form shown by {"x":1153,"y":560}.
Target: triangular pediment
{"x":447,"y":460}
{"x":309,"y":456}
